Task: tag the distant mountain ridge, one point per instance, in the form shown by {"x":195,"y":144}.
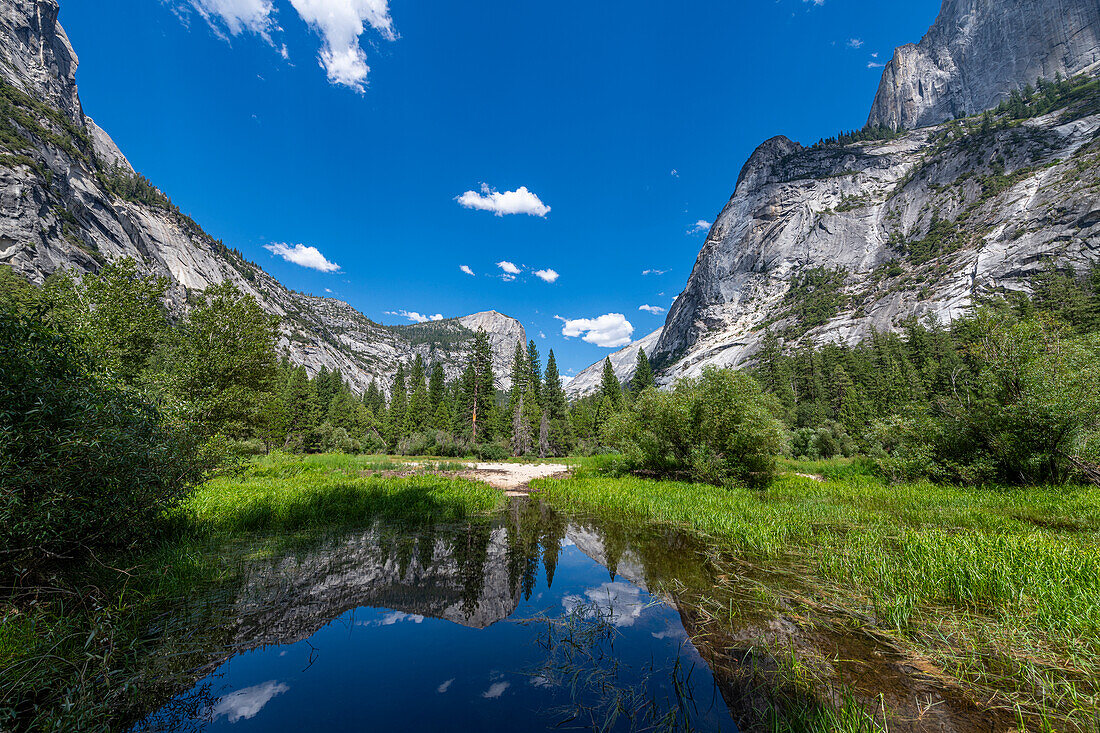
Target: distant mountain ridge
{"x":831,"y":242}
{"x":69,"y":199}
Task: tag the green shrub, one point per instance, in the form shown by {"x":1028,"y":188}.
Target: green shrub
{"x":827,"y":441}
{"x":1034,"y":409}
{"x":432,"y":443}
{"x":84,"y":463}
{"x":716,"y":429}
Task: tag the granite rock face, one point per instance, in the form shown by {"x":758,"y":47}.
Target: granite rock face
{"x":918,"y":225}
{"x":57,"y":212}
{"x":979,"y":51}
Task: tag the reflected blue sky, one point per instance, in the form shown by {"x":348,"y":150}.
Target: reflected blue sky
{"x":376,"y":668}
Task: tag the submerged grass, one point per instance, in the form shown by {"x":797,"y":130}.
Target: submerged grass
{"x":998,"y":588}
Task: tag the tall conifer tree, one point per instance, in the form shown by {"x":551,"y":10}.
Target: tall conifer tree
{"x":419,"y":412}
{"x":534,"y":373}
{"x":399,"y":400}
{"x":643,"y":374}
{"x":557,"y":410}
{"x":610,"y":386}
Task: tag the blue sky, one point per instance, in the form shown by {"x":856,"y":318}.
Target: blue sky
{"x":610,"y":128}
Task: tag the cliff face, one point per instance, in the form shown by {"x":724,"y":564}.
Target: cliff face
{"x":828,"y":243}
{"x":824,"y":244}
{"x":979,"y":51}
{"x":59,"y":210}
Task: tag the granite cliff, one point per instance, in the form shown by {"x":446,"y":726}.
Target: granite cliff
{"x":827,"y":243}
{"x":69,"y":199}
{"x":980,"y":51}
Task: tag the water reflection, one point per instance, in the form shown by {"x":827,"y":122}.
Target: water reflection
{"x":245,"y":704}
{"x":525,"y":622}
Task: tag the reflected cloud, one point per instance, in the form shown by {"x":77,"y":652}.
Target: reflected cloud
{"x":445,"y":686}
{"x":672,"y":631}
{"x":622,"y":601}
{"x":496,"y":690}
{"x":246,"y":703}
{"x":395,"y":617}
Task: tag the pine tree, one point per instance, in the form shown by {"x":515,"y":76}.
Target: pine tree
{"x":437,"y":392}
{"x":532,"y":414}
{"x":418,"y":412}
{"x":300,"y":401}
{"x":521,"y":435}
{"x":483,"y":414}
{"x":374,"y":401}
{"x":557,"y":410}
{"x":350,"y":414}
{"x":610,"y":386}
{"x":399,"y":400}
{"x":605,"y":408}
{"x":534,"y":374}
{"x":544,"y":435}
{"x":520,"y":370}
{"x":464,"y":394}
{"x":442,"y":418}
{"x":643,"y":374}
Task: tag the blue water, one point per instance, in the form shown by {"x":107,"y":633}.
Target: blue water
{"x":455,"y":629}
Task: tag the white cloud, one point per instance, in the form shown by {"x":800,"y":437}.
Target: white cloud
{"x":245,"y":703}
{"x":700,"y":226}
{"x":397,"y":617}
{"x":653,"y":272}
{"x":509,"y":269}
{"x":234,"y":17}
{"x":496,"y":690}
{"x":609,"y":330}
{"x":340,"y":23}
{"x":548,"y":275}
{"x":675,"y":173}
{"x":619,"y":602}
{"x":445,"y":686}
{"x":874,"y":65}
{"x":303,"y":256}
{"x":416,"y":317}
{"x":855,"y":43}
{"x":654,"y":309}
{"x":466,"y":269}
{"x":520,"y":201}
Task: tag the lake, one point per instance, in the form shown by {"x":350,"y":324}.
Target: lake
{"x":527,"y":621}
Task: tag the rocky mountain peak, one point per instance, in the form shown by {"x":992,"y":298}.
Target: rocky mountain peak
{"x":979,"y":51}
{"x":760,"y":164}
{"x":57,"y":212}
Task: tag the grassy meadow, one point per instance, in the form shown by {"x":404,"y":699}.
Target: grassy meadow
{"x":996,"y":590}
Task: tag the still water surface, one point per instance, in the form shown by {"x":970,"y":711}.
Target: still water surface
{"x":531,"y":621}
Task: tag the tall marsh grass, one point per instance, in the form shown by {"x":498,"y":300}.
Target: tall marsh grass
{"x":1000,"y":588}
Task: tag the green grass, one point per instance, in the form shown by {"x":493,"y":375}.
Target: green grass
{"x":999,"y":588}
{"x":298,"y":492}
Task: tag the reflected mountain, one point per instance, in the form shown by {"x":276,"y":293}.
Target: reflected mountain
{"x":390,"y":610}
